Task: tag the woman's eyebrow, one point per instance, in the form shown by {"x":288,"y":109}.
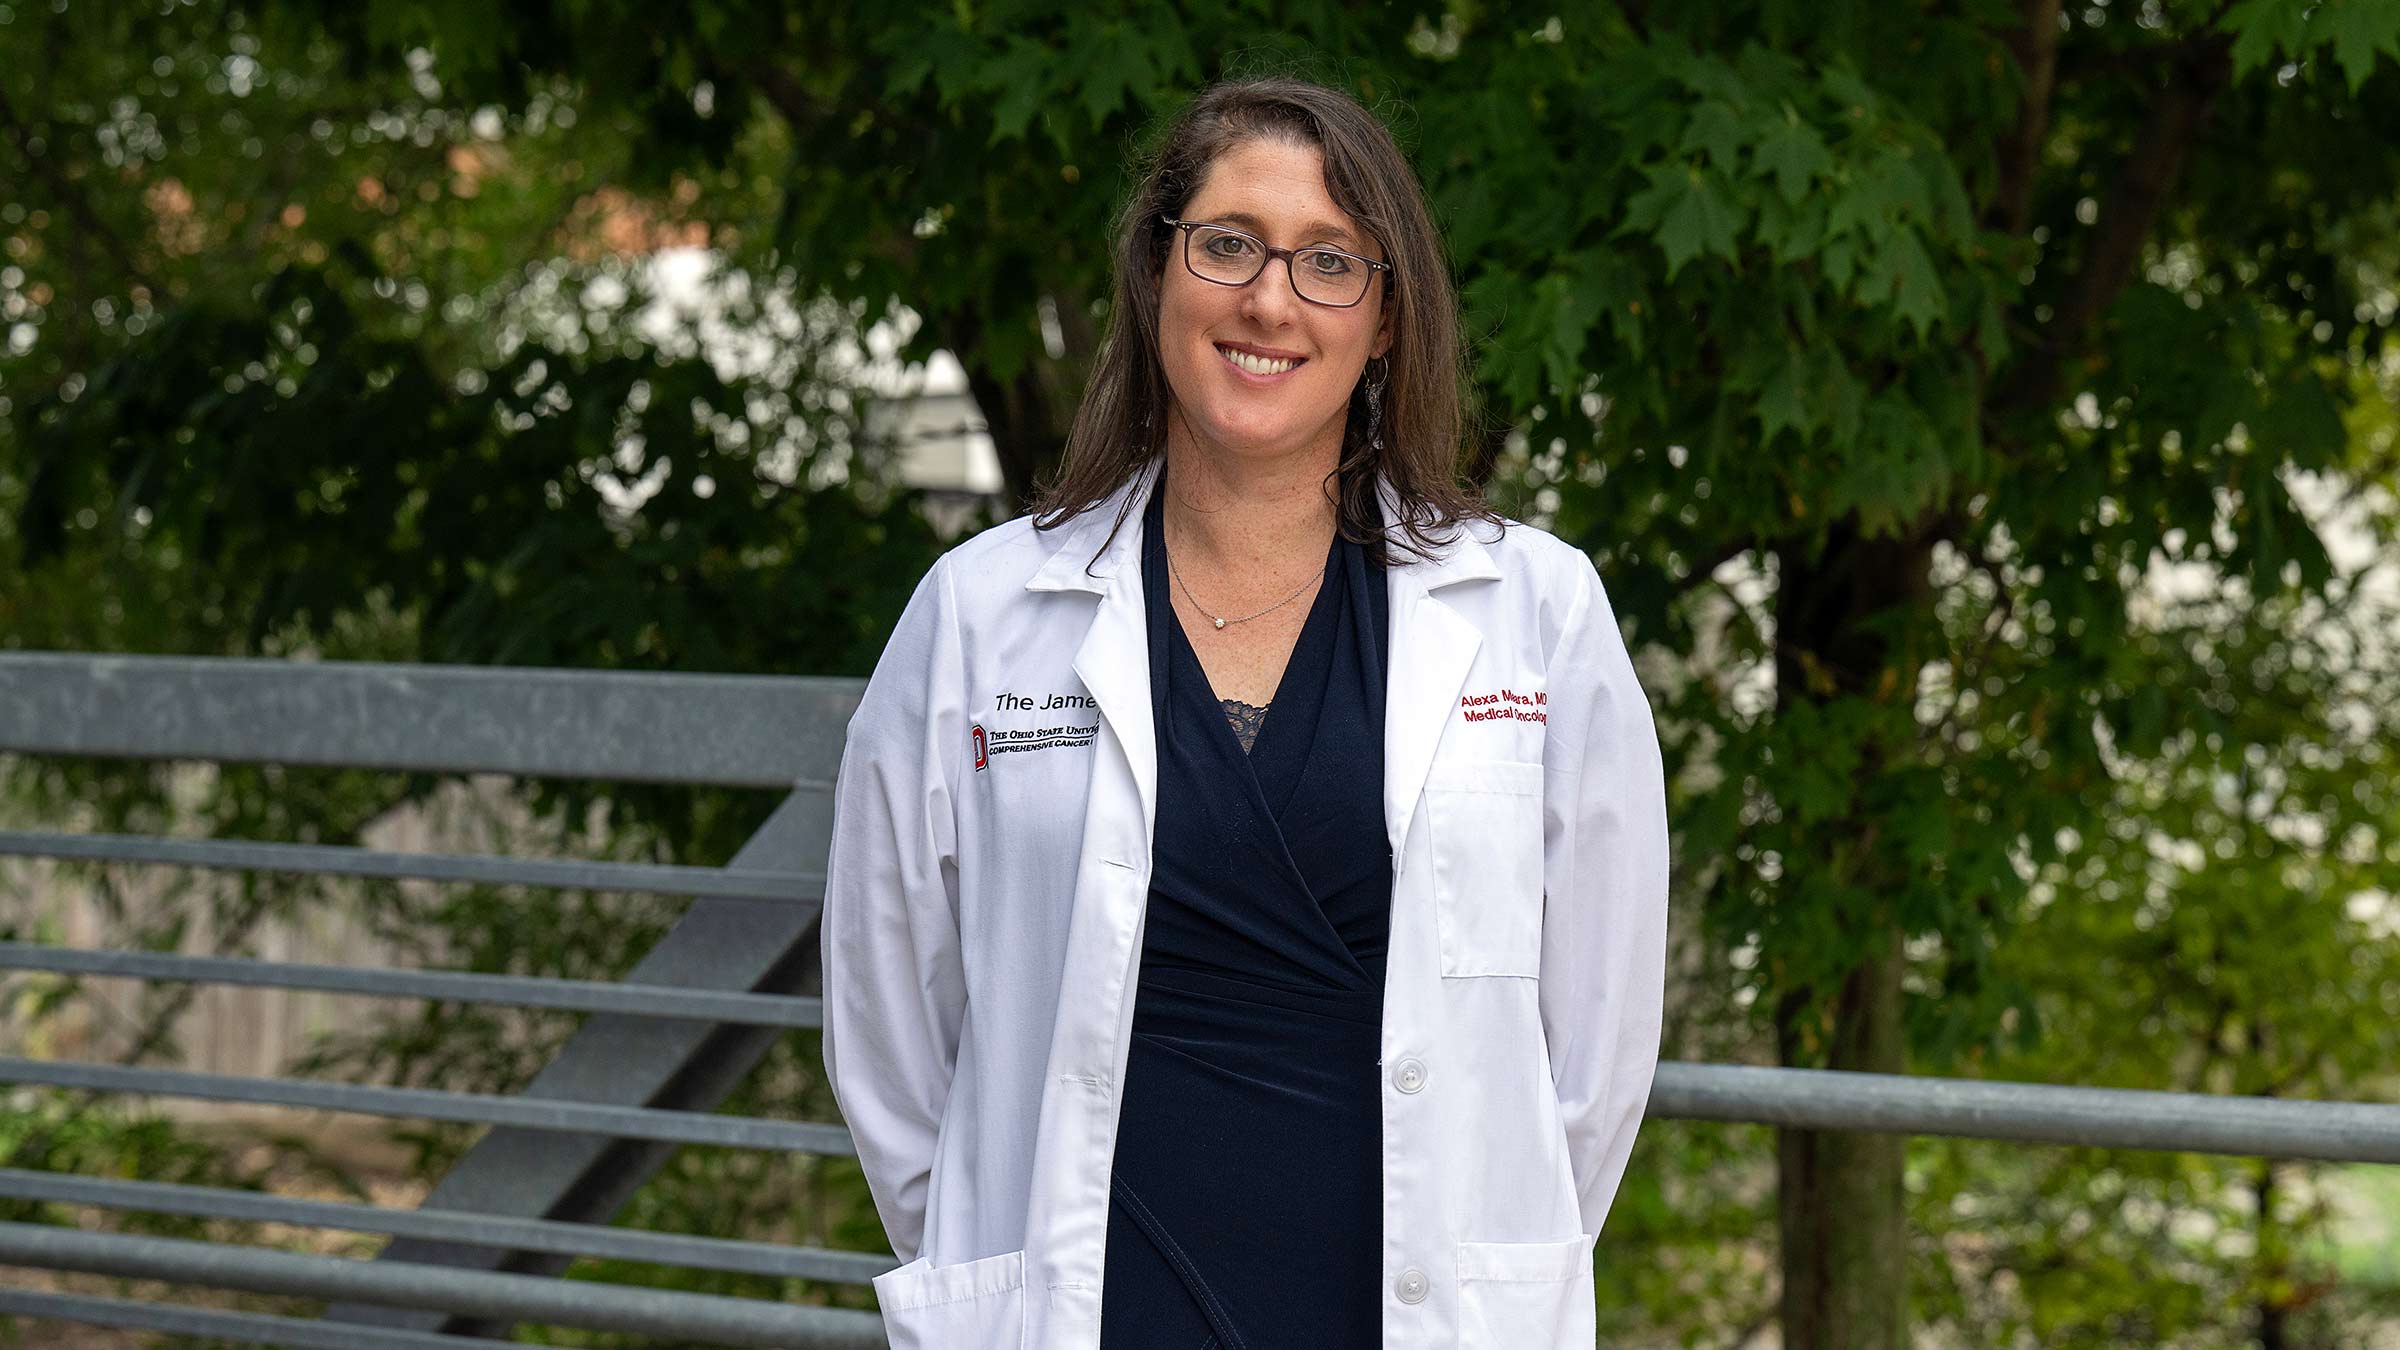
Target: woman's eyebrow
{"x":1315,"y":229}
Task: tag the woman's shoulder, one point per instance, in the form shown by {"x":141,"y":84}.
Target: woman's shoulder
{"x":1531,"y":555}
{"x":1010,"y":543}
{"x":1549,"y":582}
{"x":995,"y":563}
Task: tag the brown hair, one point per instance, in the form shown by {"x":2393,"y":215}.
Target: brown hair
{"x":1121,"y":425}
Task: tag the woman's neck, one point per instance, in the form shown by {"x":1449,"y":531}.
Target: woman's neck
{"x":1248,"y":514}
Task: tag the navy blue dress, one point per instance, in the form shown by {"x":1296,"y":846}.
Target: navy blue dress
{"x":1246,"y":1198}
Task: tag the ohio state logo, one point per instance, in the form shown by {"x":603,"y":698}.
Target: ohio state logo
{"x":983,"y":754}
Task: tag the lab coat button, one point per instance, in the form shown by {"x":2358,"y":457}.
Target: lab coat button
{"x":1412,"y":1286}
{"x":1410,"y":1075}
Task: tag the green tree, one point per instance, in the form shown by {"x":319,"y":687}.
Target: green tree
{"x":2222,"y":924}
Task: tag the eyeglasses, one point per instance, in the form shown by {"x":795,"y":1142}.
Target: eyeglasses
{"x":1319,"y":275}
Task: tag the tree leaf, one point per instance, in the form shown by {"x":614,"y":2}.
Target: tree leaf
{"x":1783,"y":402}
{"x":2360,"y":30}
{"x":1699,"y":221}
{"x":1794,"y":154}
{"x":1902,"y":276}
{"x":1716,"y":129}
{"x":2264,"y":28}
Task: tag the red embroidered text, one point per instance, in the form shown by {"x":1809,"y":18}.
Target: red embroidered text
{"x":1503,"y":705}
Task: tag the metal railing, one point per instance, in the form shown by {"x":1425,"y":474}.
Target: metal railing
{"x":661,"y":1050}
{"x":641,"y":1077}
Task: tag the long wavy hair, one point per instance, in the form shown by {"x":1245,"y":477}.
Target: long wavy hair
{"x":1120,"y":426}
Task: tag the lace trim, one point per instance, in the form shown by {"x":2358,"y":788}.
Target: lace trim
{"x":1245,"y":719}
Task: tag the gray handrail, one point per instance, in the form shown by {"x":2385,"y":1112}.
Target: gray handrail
{"x":569,"y":1239}
{"x":2037,"y":1113}
{"x":243,"y":855}
{"x":519,"y":991}
{"x":760,"y":731}
{"x":174,"y":1319}
{"x":473,"y":1108}
{"x":652,"y":1312}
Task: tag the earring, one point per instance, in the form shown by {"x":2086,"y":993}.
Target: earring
{"x":1377,"y":377}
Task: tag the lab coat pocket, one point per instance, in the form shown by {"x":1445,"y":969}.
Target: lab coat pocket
{"x":1527,"y":1295}
{"x":1485,"y":818}
{"x":973,"y":1305}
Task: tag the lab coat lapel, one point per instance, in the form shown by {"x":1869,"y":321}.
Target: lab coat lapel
{"x":1114,"y":664}
{"x":1432,"y":649}
{"x":1113,"y":660}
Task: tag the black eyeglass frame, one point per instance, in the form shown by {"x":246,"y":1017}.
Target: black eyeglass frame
{"x":1270,"y":253}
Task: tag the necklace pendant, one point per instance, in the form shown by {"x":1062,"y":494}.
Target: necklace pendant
{"x":1220,"y":623}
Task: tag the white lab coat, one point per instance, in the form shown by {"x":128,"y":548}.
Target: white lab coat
{"x":984,"y":908}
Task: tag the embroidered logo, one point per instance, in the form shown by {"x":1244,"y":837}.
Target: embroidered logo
{"x":1066,"y":733}
{"x":1005,"y":741}
{"x":1504,"y":705}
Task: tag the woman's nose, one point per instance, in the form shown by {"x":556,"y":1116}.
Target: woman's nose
{"x":1269,"y":296}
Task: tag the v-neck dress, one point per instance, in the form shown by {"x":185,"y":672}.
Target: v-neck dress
{"x":1246,"y":1195}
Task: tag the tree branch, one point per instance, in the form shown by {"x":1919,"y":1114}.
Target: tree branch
{"x":2035,"y":46}
{"x":2143,"y":183}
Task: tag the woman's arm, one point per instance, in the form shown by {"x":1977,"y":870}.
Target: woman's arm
{"x":1604,"y":920}
{"x":895,"y":986}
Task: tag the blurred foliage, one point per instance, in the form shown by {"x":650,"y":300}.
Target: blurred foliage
{"x":53,"y":1132}
{"x":2219,"y":929}
{"x":1893,"y":362}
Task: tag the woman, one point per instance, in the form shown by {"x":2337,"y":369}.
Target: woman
{"x":1246,"y":915}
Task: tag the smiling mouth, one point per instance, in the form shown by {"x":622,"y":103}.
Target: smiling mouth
{"x":1259,"y":365}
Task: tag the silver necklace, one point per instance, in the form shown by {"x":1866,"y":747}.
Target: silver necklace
{"x":1187,"y":594}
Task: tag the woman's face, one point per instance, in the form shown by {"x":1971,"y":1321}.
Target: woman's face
{"x":1275,"y":191}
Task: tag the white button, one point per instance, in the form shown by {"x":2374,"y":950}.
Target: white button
{"x":1411,"y":1287}
{"x":1409,"y":1075}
